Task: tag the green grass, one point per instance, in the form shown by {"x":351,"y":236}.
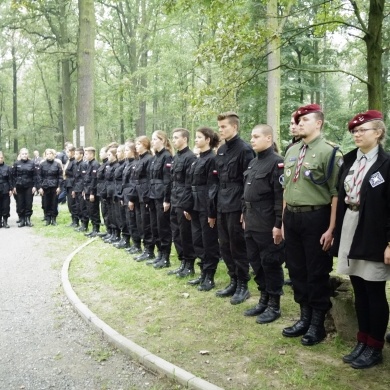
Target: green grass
{"x":151,"y":308}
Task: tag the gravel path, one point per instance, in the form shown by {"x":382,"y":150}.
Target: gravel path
{"x":43,"y":343}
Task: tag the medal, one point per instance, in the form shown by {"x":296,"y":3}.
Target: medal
{"x":288,"y":172}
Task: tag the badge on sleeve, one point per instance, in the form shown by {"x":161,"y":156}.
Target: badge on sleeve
{"x":376,"y":179}
{"x":281,"y":179}
{"x":288,"y":172}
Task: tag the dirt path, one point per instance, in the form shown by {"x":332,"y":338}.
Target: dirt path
{"x":43,"y":342}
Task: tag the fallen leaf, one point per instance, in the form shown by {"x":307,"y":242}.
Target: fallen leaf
{"x":204,"y":352}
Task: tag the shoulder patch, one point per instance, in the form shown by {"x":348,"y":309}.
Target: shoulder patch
{"x":281,"y":165}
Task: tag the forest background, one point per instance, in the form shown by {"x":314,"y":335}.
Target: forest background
{"x":94,"y":71}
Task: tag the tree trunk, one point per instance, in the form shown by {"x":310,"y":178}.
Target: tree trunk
{"x":15,"y":99}
{"x":86,"y":68}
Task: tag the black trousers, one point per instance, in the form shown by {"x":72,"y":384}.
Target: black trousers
{"x":308,"y":265}
{"x":147,"y":237}
{"x":112,"y":224}
{"x":72,"y":207}
{"x":205,"y":240}
{"x":232,"y":245}
{"x":81,"y":204}
{"x":133,"y":220}
{"x":372,"y":308}
{"x":182,"y":235}
{"x":24,"y":201}
{"x":93,"y":209}
{"x":160,"y":222}
{"x":120,"y":217}
{"x":104,"y":211}
{"x":50,"y":202}
{"x":268,"y":276}
{"x":5,"y":201}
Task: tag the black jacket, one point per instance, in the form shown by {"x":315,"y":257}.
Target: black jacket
{"x":109,"y":177}
{"x":78,"y":185}
{"x":70,"y":168}
{"x":129,"y":182}
{"x":101,"y":186}
{"x":232,"y":160}
{"x":373,"y":230}
{"x":6,"y":180}
{"x":50,"y":174}
{"x":25,"y":174}
{"x":263,"y":192}
{"x":160,"y":176}
{"x":141,"y":177}
{"x":118,"y":178}
{"x":90,"y":176}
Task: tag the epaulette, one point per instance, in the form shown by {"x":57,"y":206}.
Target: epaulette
{"x":332,"y":144}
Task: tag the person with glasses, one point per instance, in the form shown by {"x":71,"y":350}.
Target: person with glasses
{"x":362,"y":234}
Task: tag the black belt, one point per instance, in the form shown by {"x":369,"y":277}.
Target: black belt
{"x":196,"y":188}
{"x":304,"y":209}
{"x":142,"y":181}
{"x":156,"y":181}
{"x":252,"y":205}
{"x":232,"y":184}
{"x":354,"y":207}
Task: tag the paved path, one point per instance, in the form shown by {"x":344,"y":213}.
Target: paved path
{"x":44,"y":344}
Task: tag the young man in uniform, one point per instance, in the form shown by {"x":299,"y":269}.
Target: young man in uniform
{"x":232,"y":160}
{"x":262,"y":211}
{"x":310,"y":176}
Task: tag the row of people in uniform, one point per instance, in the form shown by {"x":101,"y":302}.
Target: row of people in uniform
{"x":234,"y":204}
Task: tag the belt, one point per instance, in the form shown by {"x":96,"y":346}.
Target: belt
{"x":142,"y":181}
{"x":231,"y":184}
{"x":304,"y":209}
{"x":354,"y":207}
{"x":156,"y":181}
{"x":196,"y":188}
{"x":252,"y":205}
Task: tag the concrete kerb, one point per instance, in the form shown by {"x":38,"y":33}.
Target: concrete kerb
{"x":146,"y":358}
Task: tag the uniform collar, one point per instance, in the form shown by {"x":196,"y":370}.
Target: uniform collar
{"x":370,"y":155}
{"x":183,"y":150}
{"x":160,"y":152}
{"x":312,"y":143}
{"x":232,"y":141}
{"x":202,"y":154}
{"x":265,"y":153}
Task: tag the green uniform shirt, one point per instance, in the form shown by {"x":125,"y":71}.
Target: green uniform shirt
{"x":304,"y":192}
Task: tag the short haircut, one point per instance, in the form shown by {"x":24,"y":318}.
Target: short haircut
{"x":183,"y":132}
{"x":71,"y":148}
{"x":232,"y":118}
{"x":265,"y":129}
{"x":80,"y":150}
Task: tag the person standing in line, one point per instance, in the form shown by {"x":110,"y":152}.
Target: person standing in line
{"x":180,"y":195}
{"x":262,"y":211}
{"x":141,"y":198}
{"x":6,"y":188}
{"x":77,"y":192}
{"x":133,"y":220}
{"x":69,"y":170}
{"x":109,"y":178}
{"x":101,"y":191}
{"x":159,"y":196}
{"x":50,"y":179}
{"x":362,"y":234}
{"x":310,"y":197}
{"x":26,"y":182}
{"x":202,"y":211}
{"x":232,"y":161}
{"x":294,"y":132}
{"x":90,"y":184}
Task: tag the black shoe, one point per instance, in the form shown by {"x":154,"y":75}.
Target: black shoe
{"x":316,"y":332}
{"x":242,"y":293}
{"x":5,"y":223}
{"x":208,"y":282}
{"x":163,"y":263}
{"x":272,"y":312}
{"x":176,"y":270}
{"x":355,"y":353}
{"x":146,"y":255}
{"x":122,"y":244}
{"x":102,"y":234}
{"x":48,"y":221}
{"x":28,"y":222}
{"x":54,"y":221}
{"x":107,"y":238}
{"x":188,"y":270}
{"x":260,"y":307}
{"x":229,"y":290}
{"x":135,"y":249}
{"x":368,"y":358}
{"x":301,"y":326}
{"x":156,"y":260}
{"x":93,"y":234}
{"x":22,"y":222}
{"x":197,"y":281}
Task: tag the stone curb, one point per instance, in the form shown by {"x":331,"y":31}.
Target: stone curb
{"x":146,"y":358}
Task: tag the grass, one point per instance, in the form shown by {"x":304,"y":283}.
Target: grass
{"x":175,"y":321}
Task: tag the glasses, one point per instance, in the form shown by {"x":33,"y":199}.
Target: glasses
{"x":360,"y":131}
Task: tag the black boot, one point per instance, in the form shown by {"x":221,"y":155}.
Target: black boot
{"x":301,"y":326}
{"x":156,"y":260}
{"x":135,"y":249}
{"x":260,"y":307}
{"x":163,"y":263}
{"x":188,"y":269}
{"x":241,"y":294}
{"x":197,"y":281}
{"x":147,"y":254}
{"x":28,"y":222}
{"x":123,"y":243}
{"x":116,"y":237}
{"x":48,"y":221}
{"x":95,"y":231}
{"x":316,"y":332}
{"x":73,"y":224}
{"x":355,"y":353}
{"x":5,"y":222}
{"x":369,"y":357}
{"x":109,"y":235}
{"x":229,"y":290}
{"x":208,"y":282}
{"x":272,"y":312}
{"x":54,"y":221}
{"x":83,"y":227}
{"x":22,"y":222}
{"x":176,"y":270}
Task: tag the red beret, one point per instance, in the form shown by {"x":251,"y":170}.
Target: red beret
{"x":306,"y":110}
{"x":363,"y":117}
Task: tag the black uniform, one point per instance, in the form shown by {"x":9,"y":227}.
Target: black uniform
{"x":159,"y":172}
{"x":50,"y":178}
{"x":231,"y":161}
{"x":133,"y":217}
{"x":78,"y":188}
{"x":25,"y":179}
{"x":90,"y":185}
{"x":204,"y":184}
{"x":69,"y":172}
{"x":119,"y":207}
{"x":101,"y":191}
{"x":263,"y":205}
{"x":6,"y":185}
{"x":181,"y":195}
{"x":110,"y":185}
